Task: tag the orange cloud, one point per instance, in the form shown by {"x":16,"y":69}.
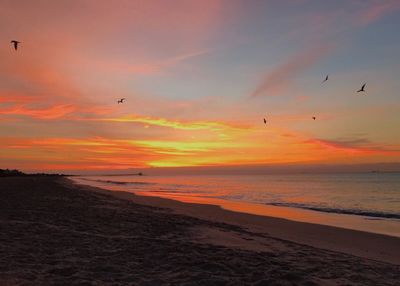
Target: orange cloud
{"x":256,"y":148}
{"x":53,"y":112}
{"x":276,"y":81}
{"x":9,"y":96}
{"x":123,"y":153}
{"x":93,"y":153}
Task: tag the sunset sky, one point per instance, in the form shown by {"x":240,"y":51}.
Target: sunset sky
{"x":198,"y":78}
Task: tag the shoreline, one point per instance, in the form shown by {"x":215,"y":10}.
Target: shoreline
{"x":379,"y":247}
{"x":54,"y":232}
{"x":373,"y":224}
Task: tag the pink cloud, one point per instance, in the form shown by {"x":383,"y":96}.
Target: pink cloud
{"x":376,"y":11}
{"x":355,"y":146}
{"x":277,"y":81}
{"x":153,"y":66}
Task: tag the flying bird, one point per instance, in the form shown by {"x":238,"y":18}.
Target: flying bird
{"x":121,"y":100}
{"x":15,"y":43}
{"x":265,"y":121}
{"x":314,"y":117}
{"x":326,"y":79}
{"x":362,"y":88}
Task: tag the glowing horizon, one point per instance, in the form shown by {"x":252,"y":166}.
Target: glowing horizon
{"x":198,"y":78}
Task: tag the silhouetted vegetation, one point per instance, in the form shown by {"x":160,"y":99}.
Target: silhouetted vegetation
{"x":10,"y":173}
{"x":16,"y":173}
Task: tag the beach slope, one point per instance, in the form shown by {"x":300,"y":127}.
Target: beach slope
{"x":57,"y":233}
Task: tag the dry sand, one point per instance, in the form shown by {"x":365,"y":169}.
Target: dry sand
{"x":55,"y":233}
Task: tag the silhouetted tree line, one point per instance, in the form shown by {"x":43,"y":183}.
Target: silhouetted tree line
{"x":16,"y":173}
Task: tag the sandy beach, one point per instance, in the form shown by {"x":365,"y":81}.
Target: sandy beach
{"x":56,"y":233}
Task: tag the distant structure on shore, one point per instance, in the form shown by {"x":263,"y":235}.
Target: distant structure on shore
{"x":116,"y":175}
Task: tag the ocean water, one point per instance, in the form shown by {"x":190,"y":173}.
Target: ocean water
{"x":369,"y":201}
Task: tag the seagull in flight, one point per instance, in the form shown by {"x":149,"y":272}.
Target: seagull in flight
{"x":314,"y":117}
{"x":121,"y":100}
{"x":15,"y":43}
{"x":362,"y":88}
{"x":326,"y":79}
{"x":265,"y":121}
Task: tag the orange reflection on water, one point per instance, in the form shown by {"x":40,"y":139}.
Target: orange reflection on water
{"x":243,"y":207}
{"x":388,"y":227}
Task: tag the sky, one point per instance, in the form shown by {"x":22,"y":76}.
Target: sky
{"x":198,"y":76}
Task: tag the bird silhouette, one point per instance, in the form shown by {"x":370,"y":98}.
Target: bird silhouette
{"x":121,"y":100}
{"x":314,"y":117}
{"x":265,"y":121}
{"x":362,"y":88}
{"x":326,"y":79}
{"x":15,"y":43}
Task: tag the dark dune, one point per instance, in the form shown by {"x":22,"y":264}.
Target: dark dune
{"x":53,"y":233}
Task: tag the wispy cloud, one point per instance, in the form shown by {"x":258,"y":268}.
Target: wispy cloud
{"x":99,"y":152}
{"x":176,"y":124}
{"x":356,"y":145}
{"x":180,"y":146}
{"x":52,"y":112}
{"x":155,"y":67}
{"x":375,"y":11}
{"x":277,"y":80}
{"x":69,"y":111}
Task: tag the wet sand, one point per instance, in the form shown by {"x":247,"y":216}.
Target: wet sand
{"x":56,"y":233}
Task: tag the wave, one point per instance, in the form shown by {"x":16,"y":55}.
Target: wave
{"x":119,"y":182}
{"x":367,"y":213}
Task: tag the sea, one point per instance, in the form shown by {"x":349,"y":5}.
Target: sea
{"x":363,"y":201}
